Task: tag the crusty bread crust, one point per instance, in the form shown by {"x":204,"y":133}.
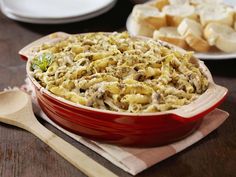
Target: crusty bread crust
{"x":176,"y":20}
{"x":176,"y":41}
{"x":159,"y":4}
{"x":173,"y":37}
{"x":196,"y":42}
{"x":155,"y":22}
{"x":222,"y":36}
{"x":192,"y":33}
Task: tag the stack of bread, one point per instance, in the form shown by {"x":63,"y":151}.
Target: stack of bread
{"x":198,"y":25}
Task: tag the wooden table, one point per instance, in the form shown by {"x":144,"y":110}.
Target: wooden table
{"x":23,"y":155}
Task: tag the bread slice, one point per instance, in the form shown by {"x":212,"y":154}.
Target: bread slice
{"x":215,"y":13}
{"x":171,"y":35}
{"x":139,"y":29}
{"x":190,"y":25}
{"x":149,"y":15}
{"x":176,"y":13}
{"x":192,"y":33}
{"x":159,"y":4}
{"x":222,"y":36}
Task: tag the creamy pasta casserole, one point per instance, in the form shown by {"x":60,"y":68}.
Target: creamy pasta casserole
{"x":116,"y":72}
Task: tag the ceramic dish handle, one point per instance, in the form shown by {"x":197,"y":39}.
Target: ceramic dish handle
{"x":207,"y":102}
{"x":29,"y":50}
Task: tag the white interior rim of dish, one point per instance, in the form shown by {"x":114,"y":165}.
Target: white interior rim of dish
{"x":54,"y":8}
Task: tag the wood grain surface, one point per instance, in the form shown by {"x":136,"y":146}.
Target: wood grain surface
{"x":24,"y":155}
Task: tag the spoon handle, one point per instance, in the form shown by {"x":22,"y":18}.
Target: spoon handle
{"x":80,"y":160}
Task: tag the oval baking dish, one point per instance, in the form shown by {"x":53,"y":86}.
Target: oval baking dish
{"x":131,"y":129}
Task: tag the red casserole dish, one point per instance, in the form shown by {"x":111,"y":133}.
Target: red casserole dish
{"x":129,"y":129}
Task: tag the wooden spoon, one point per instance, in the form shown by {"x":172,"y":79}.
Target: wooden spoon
{"x":16,"y":109}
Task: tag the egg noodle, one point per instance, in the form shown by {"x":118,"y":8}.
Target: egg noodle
{"x":116,"y":72}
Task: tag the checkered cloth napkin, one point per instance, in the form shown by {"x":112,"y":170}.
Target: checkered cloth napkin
{"x":134,"y":160}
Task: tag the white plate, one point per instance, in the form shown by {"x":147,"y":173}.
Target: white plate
{"x":54,"y":9}
{"x":13,"y":16}
{"x":215,"y":55}
{"x":218,"y":55}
